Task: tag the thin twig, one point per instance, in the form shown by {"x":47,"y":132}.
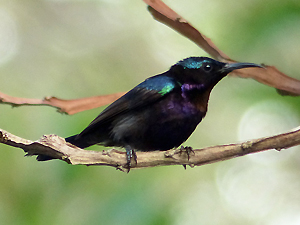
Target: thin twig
{"x":64,"y":106}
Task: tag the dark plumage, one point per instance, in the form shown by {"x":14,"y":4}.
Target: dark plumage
{"x":161,"y":112}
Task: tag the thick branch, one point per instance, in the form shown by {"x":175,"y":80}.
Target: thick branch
{"x":56,"y":147}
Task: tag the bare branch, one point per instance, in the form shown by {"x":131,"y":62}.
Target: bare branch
{"x":56,"y":147}
{"x":64,"y":106}
{"x":164,"y":14}
{"x":271,"y":76}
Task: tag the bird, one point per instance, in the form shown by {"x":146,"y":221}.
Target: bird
{"x":161,"y":112}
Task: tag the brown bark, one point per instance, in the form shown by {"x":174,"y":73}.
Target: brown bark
{"x":56,"y":147}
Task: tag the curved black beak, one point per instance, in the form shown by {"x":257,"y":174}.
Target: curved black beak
{"x":234,"y":66}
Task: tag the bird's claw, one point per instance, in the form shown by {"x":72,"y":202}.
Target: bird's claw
{"x":187,"y":150}
{"x":130,"y":153}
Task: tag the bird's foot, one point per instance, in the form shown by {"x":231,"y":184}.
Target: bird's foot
{"x":188,"y":150}
{"x":130,"y":153}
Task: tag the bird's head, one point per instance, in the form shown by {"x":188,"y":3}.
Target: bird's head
{"x":198,"y":76}
{"x":204,"y":71}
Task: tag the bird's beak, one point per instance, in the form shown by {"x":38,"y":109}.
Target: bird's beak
{"x":234,"y":66}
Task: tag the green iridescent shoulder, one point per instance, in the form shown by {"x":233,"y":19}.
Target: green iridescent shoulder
{"x":161,"y":83}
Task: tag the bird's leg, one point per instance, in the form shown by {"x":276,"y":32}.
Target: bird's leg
{"x":130,"y":153}
{"x":187,"y":149}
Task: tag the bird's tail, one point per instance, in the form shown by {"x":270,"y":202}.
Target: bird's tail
{"x":77,"y":141}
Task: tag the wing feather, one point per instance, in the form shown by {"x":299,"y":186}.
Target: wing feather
{"x":146,"y":93}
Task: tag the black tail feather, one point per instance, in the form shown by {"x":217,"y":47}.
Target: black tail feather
{"x":77,"y":141}
{"x":41,"y":157}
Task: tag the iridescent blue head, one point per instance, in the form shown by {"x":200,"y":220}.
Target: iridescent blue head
{"x":195,"y":62}
{"x":206,"y":70}
{"x":205,"y":63}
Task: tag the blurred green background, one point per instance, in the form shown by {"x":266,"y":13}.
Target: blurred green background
{"x":73,"y":49}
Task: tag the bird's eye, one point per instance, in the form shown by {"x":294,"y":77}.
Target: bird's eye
{"x":207,"y":68}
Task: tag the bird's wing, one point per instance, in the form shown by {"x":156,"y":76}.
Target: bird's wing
{"x":147,"y":92}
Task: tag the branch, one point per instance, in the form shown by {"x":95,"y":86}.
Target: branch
{"x":56,"y":147}
{"x":64,"y":106}
{"x":164,"y":14}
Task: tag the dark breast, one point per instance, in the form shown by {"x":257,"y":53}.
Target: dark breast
{"x":161,"y":126}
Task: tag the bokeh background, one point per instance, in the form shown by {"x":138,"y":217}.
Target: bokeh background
{"x":73,"y":49}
